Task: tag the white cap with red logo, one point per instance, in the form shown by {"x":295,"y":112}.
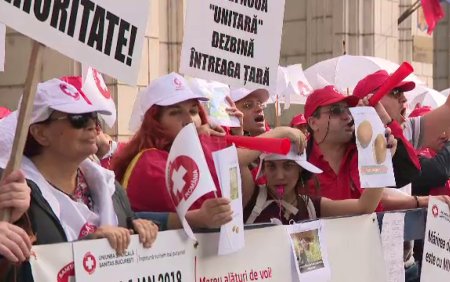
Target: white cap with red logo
{"x":241,"y":93}
{"x":57,"y":95}
{"x":167,"y":90}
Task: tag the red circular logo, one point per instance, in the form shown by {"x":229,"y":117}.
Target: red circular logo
{"x":89,"y":263}
{"x":183,"y":178}
{"x":70,"y":91}
{"x":435,"y":210}
{"x":66,"y":273}
{"x":178,"y":83}
{"x":101,"y":86}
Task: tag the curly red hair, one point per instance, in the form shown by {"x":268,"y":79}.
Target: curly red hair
{"x":150,"y":135}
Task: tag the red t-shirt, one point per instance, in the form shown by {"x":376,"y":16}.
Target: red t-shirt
{"x":146,"y":187}
{"x":342,"y":186}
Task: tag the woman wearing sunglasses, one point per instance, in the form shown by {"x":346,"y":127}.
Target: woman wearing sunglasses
{"x":72,"y":198}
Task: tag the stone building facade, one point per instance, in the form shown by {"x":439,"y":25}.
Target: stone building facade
{"x":313,"y":30}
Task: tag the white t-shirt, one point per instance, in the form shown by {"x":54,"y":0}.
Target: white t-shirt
{"x":413,"y":131}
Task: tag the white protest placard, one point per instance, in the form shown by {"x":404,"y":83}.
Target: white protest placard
{"x":234,"y":42}
{"x":266,"y":257}
{"x":227,"y":167}
{"x":436,"y":249}
{"x":2,"y":46}
{"x":217,"y":104}
{"x":107,"y":35}
{"x":392,"y":241}
{"x":169,"y":259}
{"x":374,"y":158}
{"x":309,"y":251}
{"x":52,"y":263}
{"x":187,"y":173}
{"x":95,"y":88}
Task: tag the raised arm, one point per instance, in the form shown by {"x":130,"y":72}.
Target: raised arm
{"x":367,"y":203}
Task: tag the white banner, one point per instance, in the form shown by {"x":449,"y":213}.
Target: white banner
{"x":354,"y":254}
{"x":2,"y":46}
{"x":436,"y":249}
{"x":107,"y":35}
{"x":234,"y":42}
{"x":171,"y":258}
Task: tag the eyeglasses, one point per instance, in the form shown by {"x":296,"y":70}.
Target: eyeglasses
{"x":250,"y":105}
{"x":396,"y":93}
{"x":337,"y":110}
{"x":78,"y":121}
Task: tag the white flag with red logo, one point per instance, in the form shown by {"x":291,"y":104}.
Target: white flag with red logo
{"x":2,"y":46}
{"x":187,"y":173}
{"x":95,"y":88}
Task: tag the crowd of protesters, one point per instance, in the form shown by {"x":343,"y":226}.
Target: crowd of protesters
{"x":111,"y":190}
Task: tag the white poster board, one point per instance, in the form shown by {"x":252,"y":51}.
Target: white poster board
{"x":107,"y":35}
{"x":374,"y":158}
{"x":234,"y":42}
{"x":436,"y":249}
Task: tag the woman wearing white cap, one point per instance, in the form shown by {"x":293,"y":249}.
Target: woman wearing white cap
{"x":281,"y":197}
{"x":160,"y":112}
{"x":72,"y":197}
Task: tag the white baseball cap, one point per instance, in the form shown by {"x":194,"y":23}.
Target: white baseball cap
{"x":293,"y":155}
{"x":57,"y":95}
{"x":167,"y":90}
{"x":241,"y":93}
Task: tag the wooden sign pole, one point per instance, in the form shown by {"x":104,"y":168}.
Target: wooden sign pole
{"x":23,"y":121}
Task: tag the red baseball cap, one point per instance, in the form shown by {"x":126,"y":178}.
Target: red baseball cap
{"x":298,"y":120}
{"x":420,"y":111}
{"x":373,"y":81}
{"x":324,"y":97}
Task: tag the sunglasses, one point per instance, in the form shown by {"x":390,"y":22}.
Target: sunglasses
{"x":337,"y":110}
{"x":396,"y":93}
{"x":78,"y":121}
{"x":250,"y":105}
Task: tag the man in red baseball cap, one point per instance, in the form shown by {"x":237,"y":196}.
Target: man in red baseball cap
{"x":332,"y":148}
{"x":420,"y":131}
{"x":300,"y":122}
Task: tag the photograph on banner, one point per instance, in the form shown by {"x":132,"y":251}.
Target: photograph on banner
{"x":374,"y":158}
{"x":170,"y":258}
{"x":227,"y":166}
{"x":310,"y":251}
{"x":53,"y":262}
{"x":217,"y":104}
{"x":436,"y":249}
{"x":94,"y":87}
{"x":265,"y":257}
{"x":234,"y":42}
{"x":107,"y":35}
{"x":187,"y":173}
{"x":2,"y":46}
{"x":392,"y":238}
